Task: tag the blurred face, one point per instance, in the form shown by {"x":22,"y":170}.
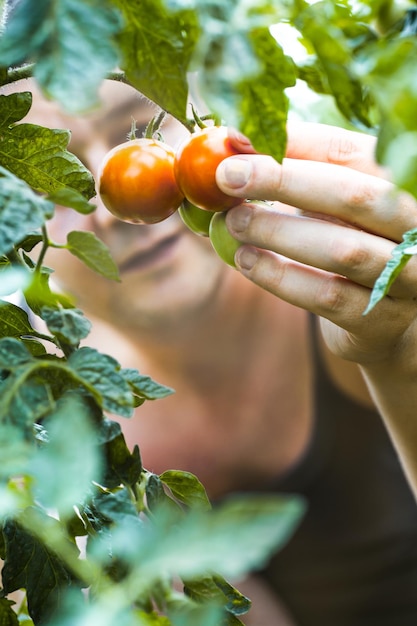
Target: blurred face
{"x":167,"y":272}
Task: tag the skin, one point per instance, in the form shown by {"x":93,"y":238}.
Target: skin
{"x":234,"y":344}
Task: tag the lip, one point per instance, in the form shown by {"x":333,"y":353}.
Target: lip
{"x":157,"y":252}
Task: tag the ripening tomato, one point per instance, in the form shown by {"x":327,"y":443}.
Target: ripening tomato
{"x":136,"y":181}
{"x":222,"y":241}
{"x":195,"y":168}
{"x":197,"y":220}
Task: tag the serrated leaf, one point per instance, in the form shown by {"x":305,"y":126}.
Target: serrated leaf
{"x":186,"y":488}
{"x":101,"y":374}
{"x":24,"y":401}
{"x":87,"y":247}
{"x":31,"y":566}
{"x":264,"y":103}
{"x":69,"y":324}
{"x":13,"y":353}
{"x":21,"y":210}
{"x":145,"y":386}
{"x":45,"y":31}
{"x":156,"y":60}
{"x":38,"y":155}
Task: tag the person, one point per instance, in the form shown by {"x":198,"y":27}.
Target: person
{"x":282,"y":384}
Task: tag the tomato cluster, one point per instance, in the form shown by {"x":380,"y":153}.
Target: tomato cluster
{"x":143,"y":181}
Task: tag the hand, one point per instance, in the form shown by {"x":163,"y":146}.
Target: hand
{"x":326,"y":256}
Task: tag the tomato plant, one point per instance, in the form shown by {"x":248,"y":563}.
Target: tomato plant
{"x":136,"y":181}
{"x":222,"y":241}
{"x":195,"y":168}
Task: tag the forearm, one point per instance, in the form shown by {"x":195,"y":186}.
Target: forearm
{"x":393,"y":387}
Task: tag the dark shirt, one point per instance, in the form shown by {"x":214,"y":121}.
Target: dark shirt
{"x":353,"y":559}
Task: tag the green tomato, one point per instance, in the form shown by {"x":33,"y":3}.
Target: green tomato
{"x":197,"y":220}
{"x":222,"y":241}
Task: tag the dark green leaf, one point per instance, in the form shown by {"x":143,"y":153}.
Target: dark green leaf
{"x":39,"y":156}
{"x":8,"y":617}
{"x":21,"y":210}
{"x":145,"y":386}
{"x":125,"y":466}
{"x":31,"y":566}
{"x":69,"y":324}
{"x":101,"y":374}
{"x":89,"y":249}
{"x":13,"y":353}
{"x":45,"y":31}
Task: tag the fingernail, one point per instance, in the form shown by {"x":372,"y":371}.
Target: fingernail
{"x":234,"y":172}
{"x":246,"y":258}
{"x":238,"y":218}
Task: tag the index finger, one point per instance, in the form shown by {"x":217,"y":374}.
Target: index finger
{"x":331,"y":144}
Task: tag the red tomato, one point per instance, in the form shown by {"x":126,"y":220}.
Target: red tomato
{"x":195,"y":168}
{"x":137,"y":182}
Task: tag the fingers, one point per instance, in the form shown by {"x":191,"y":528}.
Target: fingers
{"x":364,"y":201}
{"x":332,"y":297}
{"x":347,"y":252}
{"x":330,"y":144}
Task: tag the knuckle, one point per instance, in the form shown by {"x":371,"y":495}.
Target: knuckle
{"x":342,"y":149}
{"x":349,"y":253}
{"x":332,"y":294}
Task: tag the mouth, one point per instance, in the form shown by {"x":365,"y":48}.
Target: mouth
{"x":151,"y":256}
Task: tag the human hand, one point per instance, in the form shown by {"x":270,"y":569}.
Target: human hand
{"x":326,"y":258}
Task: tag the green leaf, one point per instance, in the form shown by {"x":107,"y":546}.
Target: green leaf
{"x":66,"y":196}
{"x":400,"y":256}
{"x":38,"y":155}
{"x":216,"y":588}
{"x":24,"y":401}
{"x":21,"y":210}
{"x":125,"y":467}
{"x":264,"y":103}
{"x":156,"y":46}
{"x":14,"y":321}
{"x":232,"y":539}
{"x":145,"y":386}
{"x":101,"y":375}
{"x":8,"y":617}
{"x":186,"y":488}
{"x":13,"y":279}
{"x":30,"y":565}
{"x":13,"y":354}
{"x":63,"y":469}
{"x":93,"y":252}
{"x":44,"y":31}
{"x":68,"y":324}
{"x":327,"y":27}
